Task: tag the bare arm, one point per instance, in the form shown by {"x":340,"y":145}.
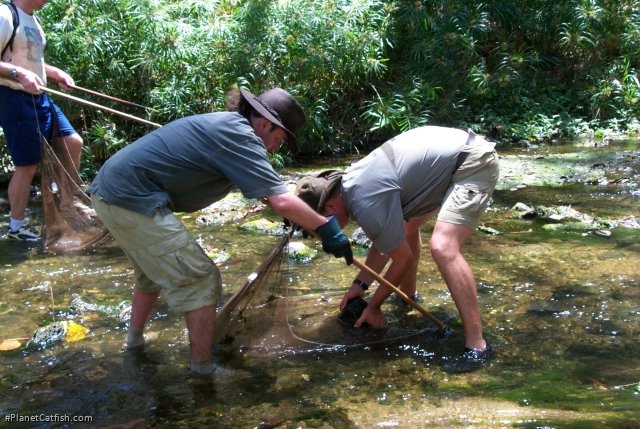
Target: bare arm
{"x":30,"y":81}
{"x":401,"y":261}
{"x":60,"y":77}
{"x":296,"y":211}
{"x":376,"y":260}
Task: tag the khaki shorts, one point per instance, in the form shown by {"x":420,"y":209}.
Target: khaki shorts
{"x":165,"y":256}
{"x":471,"y":187}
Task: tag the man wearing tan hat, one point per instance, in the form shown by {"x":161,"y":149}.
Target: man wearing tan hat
{"x":391,"y":193}
{"x":185,"y":166}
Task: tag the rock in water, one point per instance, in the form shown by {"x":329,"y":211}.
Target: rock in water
{"x":55,"y":332}
{"x":352,"y":311}
{"x":47,"y":335}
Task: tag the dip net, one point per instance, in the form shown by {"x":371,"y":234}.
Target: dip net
{"x":266,"y":317}
{"x":69,"y":222}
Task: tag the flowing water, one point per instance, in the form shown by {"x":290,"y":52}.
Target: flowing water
{"x":560,"y":302}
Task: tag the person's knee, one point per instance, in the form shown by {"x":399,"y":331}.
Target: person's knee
{"x":441,"y":249}
{"x":76,"y":140}
{"x":73,"y":143}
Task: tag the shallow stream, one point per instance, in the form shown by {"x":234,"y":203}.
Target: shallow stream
{"x":560,"y":300}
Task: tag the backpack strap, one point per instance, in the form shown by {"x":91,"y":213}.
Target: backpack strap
{"x":16,"y":23}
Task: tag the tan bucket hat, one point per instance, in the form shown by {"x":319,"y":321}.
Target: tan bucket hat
{"x":314,"y":190}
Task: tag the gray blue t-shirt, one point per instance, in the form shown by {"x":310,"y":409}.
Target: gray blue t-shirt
{"x":408,"y":180}
{"x":187,"y":165}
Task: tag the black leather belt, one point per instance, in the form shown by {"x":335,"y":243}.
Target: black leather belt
{"x":462,"y":156}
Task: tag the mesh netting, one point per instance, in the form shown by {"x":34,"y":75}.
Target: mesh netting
{"x":263,"y":319}
{"x":69,"y":222}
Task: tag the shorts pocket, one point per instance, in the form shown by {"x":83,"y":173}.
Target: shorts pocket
{"x":180,"y":261}
{"x":469,"y":199}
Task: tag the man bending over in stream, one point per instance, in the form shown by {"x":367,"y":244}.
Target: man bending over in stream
{"x":185,"y":166}
{"x":391,"y":193}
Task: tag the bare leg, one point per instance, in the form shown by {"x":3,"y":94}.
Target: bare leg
{"x":141,"y":307}
{"x":413,"y":238}
{"x":200,"y":325}
{"x":69,"y":150}
{"x":19,"y":190}
{"x":377,"y":260}
{"x":446,"y":249}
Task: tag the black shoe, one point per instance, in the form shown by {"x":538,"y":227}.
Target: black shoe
{"x":395,"y":299}
{"x":469,"y":360}
{"x":417,"y":298}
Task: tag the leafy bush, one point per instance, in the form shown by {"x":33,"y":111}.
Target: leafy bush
{"x":181,"y":57}
{"x":363,"y":70}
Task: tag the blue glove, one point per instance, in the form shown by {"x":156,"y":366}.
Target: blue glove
{"x":334,"y":241}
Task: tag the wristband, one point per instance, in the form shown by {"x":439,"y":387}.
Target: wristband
{"x":362,"y":284}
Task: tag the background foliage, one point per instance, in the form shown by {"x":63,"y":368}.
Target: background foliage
{"x":364,"y":70}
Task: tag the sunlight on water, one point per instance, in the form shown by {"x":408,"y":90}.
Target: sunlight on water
{"x":560,"y":307}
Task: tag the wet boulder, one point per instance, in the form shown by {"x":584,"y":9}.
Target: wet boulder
{"x":300,"y":252}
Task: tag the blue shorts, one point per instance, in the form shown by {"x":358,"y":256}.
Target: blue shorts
{"x":22,"y":115}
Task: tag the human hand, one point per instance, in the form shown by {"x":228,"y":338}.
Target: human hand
{"x":373,"y":317}
{"x":295,"y":227}
{"x":66,"y":83}
{"x":354,"y":291}
{"x":334,"y":241}
{"x":30,"y":81}
{"x":60,"y":77}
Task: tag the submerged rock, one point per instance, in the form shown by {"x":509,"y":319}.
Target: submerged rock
{"x":264,"y":226}
{"x":233,"y":208}
{"x":488,"y":230}
{"x":219,"y":256}
{"x":566,"y":218}
{"x":300,"y":252}
{"x":360,"y":238}
{"x":81,"y":306}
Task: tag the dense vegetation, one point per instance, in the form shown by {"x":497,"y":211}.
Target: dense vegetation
{"x":364,"y":69}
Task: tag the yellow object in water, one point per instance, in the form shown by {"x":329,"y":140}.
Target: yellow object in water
{"x":75,"y":332}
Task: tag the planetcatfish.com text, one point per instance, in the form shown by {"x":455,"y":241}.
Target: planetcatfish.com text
{"x":46,"y":418}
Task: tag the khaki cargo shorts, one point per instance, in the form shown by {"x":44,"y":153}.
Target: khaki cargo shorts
{"x":471,"y":186}
{"x":165,"y":256}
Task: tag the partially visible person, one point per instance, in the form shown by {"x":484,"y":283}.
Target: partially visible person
{"x":391,"y":193}
{"x":26,"y":113}
{"x":185,"y":166}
